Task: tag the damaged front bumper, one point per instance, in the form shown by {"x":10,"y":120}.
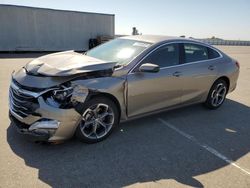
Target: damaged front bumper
{"x":22,"y":128}
{"x":36,"y":119}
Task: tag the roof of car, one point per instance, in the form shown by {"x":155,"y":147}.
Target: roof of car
{"x":154,"y":38}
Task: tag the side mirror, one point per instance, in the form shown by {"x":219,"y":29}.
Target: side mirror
{"x":148,"y":67}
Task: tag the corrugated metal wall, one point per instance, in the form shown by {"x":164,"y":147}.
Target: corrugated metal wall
{"x":37,"y":29}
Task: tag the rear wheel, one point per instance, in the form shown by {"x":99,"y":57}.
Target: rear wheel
{"x":217,"y":94}
{"x":100,"y":116}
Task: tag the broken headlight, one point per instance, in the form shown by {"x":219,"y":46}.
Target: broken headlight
{"x":66,"y":96}
{"x":60,"y":97}
{"x":62,"y":94}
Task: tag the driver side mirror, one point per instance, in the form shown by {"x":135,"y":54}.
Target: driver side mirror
{"x":148,"y":67}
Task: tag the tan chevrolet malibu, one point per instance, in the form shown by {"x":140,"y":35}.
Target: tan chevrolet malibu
{"x":57,"y":96}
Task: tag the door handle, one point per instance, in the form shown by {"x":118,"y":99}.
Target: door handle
{"x":177,"y":74}
{"x":211,"y":67}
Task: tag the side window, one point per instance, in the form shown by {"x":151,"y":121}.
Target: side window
{"x":195,"y":52}
{"x":212,"y":54}
{"x":165,"y":56}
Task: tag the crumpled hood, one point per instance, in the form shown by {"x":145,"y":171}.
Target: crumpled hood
{"x":66,"y":64}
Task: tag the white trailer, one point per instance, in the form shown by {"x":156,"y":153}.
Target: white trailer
{"x":38,"y":29}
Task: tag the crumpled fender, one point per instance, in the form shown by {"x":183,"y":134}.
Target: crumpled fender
{"x":107,"y":85}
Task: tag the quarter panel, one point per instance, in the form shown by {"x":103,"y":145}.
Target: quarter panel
{"x":228,"y":68}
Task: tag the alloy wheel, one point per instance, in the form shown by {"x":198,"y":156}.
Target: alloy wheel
{"x":218,"y":95}
{"x":97,"y":121}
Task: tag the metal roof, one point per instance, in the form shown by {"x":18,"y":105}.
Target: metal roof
{"x":52,"y":9}
{"x":155,"y":38}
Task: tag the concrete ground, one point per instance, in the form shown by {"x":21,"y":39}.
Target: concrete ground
{"x":192,"y":146}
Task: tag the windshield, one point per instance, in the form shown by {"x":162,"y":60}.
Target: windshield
{"x":119,"y":51}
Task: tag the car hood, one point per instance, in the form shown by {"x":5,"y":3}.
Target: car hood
{"x":66,"y":64}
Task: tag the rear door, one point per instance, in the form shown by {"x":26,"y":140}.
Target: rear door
{"x":198,"y":72}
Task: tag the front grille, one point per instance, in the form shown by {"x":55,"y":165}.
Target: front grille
{"x":21,"y":103}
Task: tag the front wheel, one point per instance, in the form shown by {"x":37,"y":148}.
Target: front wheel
{"x":217,"y":94}
{"x":100,"y":116}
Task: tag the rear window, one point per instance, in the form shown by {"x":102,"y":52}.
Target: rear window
{"x":212,"y":54}
{"x":195,"y":52}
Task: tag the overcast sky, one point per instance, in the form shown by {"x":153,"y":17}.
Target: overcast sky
{"x":228,"y":19}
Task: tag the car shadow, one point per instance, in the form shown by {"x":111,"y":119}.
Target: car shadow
{"x":143,"y":150}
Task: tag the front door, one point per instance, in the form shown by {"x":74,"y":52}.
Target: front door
{"x":153,"y":91}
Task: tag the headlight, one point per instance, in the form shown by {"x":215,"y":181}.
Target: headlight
{"x":61,"y":95}
{"x":66,"y":96}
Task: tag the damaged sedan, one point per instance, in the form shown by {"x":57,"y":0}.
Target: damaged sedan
{"x":57,"y":96}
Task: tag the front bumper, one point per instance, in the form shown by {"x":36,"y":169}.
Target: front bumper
{"x":35,"y":113}
{"x":68,"y":118}
{"x":31,"y":135}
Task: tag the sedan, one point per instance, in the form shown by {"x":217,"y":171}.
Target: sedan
{"x":59,"y":95}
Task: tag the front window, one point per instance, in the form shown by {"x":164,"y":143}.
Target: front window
{"x":165,"y":56}
{"x":119,"y":51}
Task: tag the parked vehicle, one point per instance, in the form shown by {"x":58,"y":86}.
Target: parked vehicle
{"x":63,"y":94}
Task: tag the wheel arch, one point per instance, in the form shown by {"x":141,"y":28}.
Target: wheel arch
{"x":109,"y":96}
{"x":226,"y":79}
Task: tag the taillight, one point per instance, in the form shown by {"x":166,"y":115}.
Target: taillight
{"x":237,"y":64}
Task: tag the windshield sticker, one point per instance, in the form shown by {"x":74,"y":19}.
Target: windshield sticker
{"x":141,"y":44}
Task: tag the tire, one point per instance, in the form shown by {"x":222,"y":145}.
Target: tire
{"x":100,"y":116}
{"x":219,"y":89}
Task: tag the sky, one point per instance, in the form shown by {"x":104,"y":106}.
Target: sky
{"x":227,"y":19}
